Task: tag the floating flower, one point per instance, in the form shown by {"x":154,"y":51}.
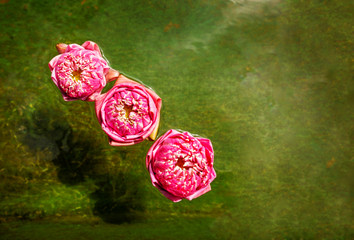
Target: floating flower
{"x":80,"y":72}
{"x":129,"y":112}
{"x":181,"y":165}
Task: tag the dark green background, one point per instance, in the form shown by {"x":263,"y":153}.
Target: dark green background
{"x":270,"y":82}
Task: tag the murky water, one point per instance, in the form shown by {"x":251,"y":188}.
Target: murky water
{"x":268,"y":81}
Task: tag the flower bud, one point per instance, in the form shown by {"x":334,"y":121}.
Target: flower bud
{"x":181,"y":165}
{"x":79,"y":71}
{"x":129,"y":112}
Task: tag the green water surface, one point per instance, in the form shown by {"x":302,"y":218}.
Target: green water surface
{"x":270,"y":82}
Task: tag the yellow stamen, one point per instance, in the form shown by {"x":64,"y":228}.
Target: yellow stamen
{"x":76,"y":75}
{"x":128,"y":109}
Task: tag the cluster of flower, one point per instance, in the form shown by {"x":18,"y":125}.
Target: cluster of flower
{"x":180,"y":165}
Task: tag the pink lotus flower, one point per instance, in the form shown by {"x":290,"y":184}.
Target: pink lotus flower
{"x":181,"y":166}
{"x":80,"y":72}
{"x":129,"y":112}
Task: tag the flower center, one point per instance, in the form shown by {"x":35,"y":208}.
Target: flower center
{"x":76,"y":75}
{"x":184,"y":164}
{"x":180,"y":162}
{"x":128,"y":109}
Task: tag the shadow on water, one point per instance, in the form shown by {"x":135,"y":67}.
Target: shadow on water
{"x":80,"y":158}
{"x":77,"y":159}
{"x":116,"y":201}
